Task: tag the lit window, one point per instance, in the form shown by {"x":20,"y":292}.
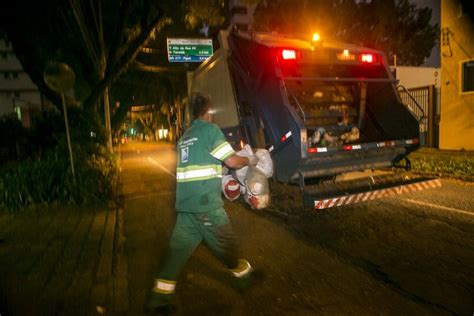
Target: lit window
{"x":18,"y":112}
{"x":467,"y":72}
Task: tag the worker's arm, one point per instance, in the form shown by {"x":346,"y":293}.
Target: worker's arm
{"x":237,"y":162}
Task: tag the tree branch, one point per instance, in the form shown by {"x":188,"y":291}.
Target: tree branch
{"x":122,"y":63}
{"x":125,"y":11}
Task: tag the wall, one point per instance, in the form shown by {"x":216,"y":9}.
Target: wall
{"x":415,"y":77}
{"x":457,"y":108}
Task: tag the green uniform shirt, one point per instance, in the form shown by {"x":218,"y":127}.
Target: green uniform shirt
{"x":201,"y":150}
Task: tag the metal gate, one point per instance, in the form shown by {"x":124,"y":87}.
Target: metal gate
{"x":422,"y":102}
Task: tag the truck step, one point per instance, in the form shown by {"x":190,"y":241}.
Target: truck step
{"x":370,"y":192}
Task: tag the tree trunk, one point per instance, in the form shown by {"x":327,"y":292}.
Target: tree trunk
{"x":108,"y":130}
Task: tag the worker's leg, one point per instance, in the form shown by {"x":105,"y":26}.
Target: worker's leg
{"x":184,"y":240}
{"x":217,"y":231}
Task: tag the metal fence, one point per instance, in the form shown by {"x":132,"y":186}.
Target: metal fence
{"x":417,"y":100}
{"x":422,"y":103}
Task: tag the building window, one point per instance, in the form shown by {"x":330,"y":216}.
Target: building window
{"x":15,"y":75}
{"x":18,"y":112}
{"x":6,"y":75}
{"x":16,"y":94}
{"x":4,"y":55}
{"x":467,"y":73}
{"x":465,"y":9}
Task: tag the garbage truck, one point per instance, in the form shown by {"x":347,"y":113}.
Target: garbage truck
{"x":325,"y":110}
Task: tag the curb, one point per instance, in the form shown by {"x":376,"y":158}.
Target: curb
{"x":120,"y":296}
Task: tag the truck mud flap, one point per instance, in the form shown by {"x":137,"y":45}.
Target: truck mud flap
{"x":326,"y":196}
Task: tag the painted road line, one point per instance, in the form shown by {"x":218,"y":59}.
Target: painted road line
{"x":161,"y":167}
{"x":450,"y":209}
{"x":376,"y":194}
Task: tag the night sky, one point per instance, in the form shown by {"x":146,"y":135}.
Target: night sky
{"x":434,"y":59}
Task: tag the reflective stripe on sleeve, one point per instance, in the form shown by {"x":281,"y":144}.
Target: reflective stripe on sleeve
{"x":164,"y":286}
{"x":195,"y":173}
{"x":222,"y":151}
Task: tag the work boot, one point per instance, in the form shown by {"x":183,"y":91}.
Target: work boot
{"x":245,"y":276}
{"x":159,"y":304}
{"x":243,"y":283}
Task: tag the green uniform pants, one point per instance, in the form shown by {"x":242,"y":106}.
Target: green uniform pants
{"x":190,"y":229}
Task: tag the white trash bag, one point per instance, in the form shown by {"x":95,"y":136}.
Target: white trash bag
{"x":265,"y":163}
{"x":253,"y":180}
{"x":257,"y":193}
{"x":242,"y":172}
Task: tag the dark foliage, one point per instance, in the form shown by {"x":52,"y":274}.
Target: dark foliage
{"x":49,"y":180}
{"x":99,"y":39}
{"x":36,"y":166}
{"x":47,"y":131}
{"x":396,"y":27}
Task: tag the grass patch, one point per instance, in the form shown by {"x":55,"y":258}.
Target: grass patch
{"x":443,"y":164}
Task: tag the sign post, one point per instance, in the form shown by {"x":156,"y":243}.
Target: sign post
{"x":60,"y":77}
{"x":185,"y":50}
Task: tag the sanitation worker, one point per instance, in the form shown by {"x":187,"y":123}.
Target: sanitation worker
{"x":200,"y":214}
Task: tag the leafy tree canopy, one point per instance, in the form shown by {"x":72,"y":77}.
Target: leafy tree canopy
{"x":99,"y":39}
{"x":397,"y":27}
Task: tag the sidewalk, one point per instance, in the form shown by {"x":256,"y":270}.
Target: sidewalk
{"x":58,"y":261}
{"x":64,"y":261}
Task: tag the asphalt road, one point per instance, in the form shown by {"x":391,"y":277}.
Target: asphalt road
{"x":405,"y":255}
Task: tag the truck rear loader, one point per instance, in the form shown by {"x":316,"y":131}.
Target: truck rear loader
{"x":325,"y":110}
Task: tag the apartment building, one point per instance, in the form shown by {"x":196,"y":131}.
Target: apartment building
{"x":18,"y":94}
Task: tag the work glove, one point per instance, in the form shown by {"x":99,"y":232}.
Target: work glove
{"x":253,"y":160}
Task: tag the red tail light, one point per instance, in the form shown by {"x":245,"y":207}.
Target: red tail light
{"x":288,"y":54}
{"x":368,"y":58}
